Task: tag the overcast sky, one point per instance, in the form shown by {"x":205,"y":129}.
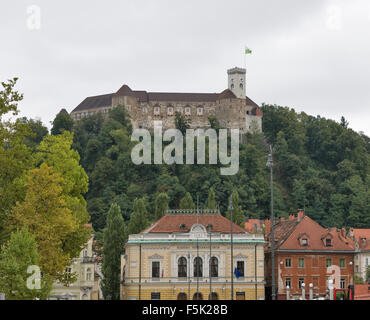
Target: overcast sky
{"x":313,"y":56}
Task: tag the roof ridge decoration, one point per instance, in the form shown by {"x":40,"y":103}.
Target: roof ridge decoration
{"x":192,"y":211}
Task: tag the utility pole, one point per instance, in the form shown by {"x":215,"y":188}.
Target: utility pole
{"x":231,"y":245}
{"x":270,"y":165}
{"x":189,"y":276}
{"x":140,"y":271}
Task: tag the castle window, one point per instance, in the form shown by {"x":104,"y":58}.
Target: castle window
{"x":144,"y":109}
{"x":170,"y":111}
{"x":199,"y":111}
{"x":241,"y":86}
{"x":232,"y":86}
{"x":247,"y":112}
{"x":179,"y":109}
{"x":156,"y":110}
{"x":187,"y":111}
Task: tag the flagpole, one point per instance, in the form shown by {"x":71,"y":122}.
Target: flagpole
{"x":245,"y":58}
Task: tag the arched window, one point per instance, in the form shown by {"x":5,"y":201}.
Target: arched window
{"x":181,"y":296}
{"x":214,"y":296}
{"x":214,"y":267}
{"x":182,"y":267}
{"x":197,"y":296}
{"x":198,"y":267}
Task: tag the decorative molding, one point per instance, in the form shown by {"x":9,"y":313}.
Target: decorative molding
{"x":155,"y":257}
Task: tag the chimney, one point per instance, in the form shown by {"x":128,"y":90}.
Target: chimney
{"x":291,"y":217}
{"x":300,"y":214}
{"x":267,"y":226}
{"x":351,"y":232}
{"x":343,"y":232}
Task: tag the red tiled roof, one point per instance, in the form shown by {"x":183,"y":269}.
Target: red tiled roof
{"x":252,"y":225}
{"x":171,"y":223}
{"x":288,"y":232}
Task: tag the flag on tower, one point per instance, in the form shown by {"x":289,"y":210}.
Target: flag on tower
{"x":248,"y":51}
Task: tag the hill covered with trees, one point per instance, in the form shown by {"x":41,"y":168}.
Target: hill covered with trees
{"x":320,"y":166}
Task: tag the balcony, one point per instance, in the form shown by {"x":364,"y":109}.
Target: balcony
{"x":88,"y":260}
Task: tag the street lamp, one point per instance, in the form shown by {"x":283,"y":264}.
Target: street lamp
{"x":270,"y":164}
{"x":231,"y":245}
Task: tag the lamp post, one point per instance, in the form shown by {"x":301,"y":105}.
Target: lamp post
{"x":270,"y":165}
{"x":231,"y":245}
{"x":210,"y":261}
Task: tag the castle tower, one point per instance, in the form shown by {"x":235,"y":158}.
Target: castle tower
{"x":236,"y":81}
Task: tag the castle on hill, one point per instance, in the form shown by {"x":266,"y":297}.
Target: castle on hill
{"x":232,"y":108}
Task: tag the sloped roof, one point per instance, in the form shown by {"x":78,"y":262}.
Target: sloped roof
{"x":226,"y":94}
{"x":287,"y":233}
{"x":171,"y":223}
{"x":144,"y":96}
{"x":95,"y":102}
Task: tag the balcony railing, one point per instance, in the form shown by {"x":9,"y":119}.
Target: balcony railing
{"x":88,"y":260}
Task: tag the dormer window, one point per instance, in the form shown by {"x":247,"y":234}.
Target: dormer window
{"x":182,"y":226}
{"x":304,"y":242}
{"x":328,"y":242}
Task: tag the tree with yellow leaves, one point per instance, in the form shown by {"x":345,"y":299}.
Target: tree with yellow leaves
{"x":46,"y":213}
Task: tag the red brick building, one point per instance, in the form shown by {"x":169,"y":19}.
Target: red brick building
{"x":305,"y":252}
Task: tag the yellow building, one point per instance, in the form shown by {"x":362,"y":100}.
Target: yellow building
{"x":187,"y":255}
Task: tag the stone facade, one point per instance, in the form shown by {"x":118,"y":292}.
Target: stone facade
{"x":162,"y":265}
{"x":232,"y":108}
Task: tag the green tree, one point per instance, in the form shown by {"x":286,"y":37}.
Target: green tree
{"x":161,"y":205}
{"x":114,"y":240}
{"x":214,"y":123}
{"x":238,"y":215}
{"x":187,"y":202}
{"x":62,"y":122}
{"x":16,"y":257}
{"x":212,"y":199}
{"x":181,"y":122}
{"x":139,"y":217}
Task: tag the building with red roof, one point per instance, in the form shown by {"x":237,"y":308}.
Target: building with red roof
{"x":186,"y":255}
{"x":307,"y":253}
